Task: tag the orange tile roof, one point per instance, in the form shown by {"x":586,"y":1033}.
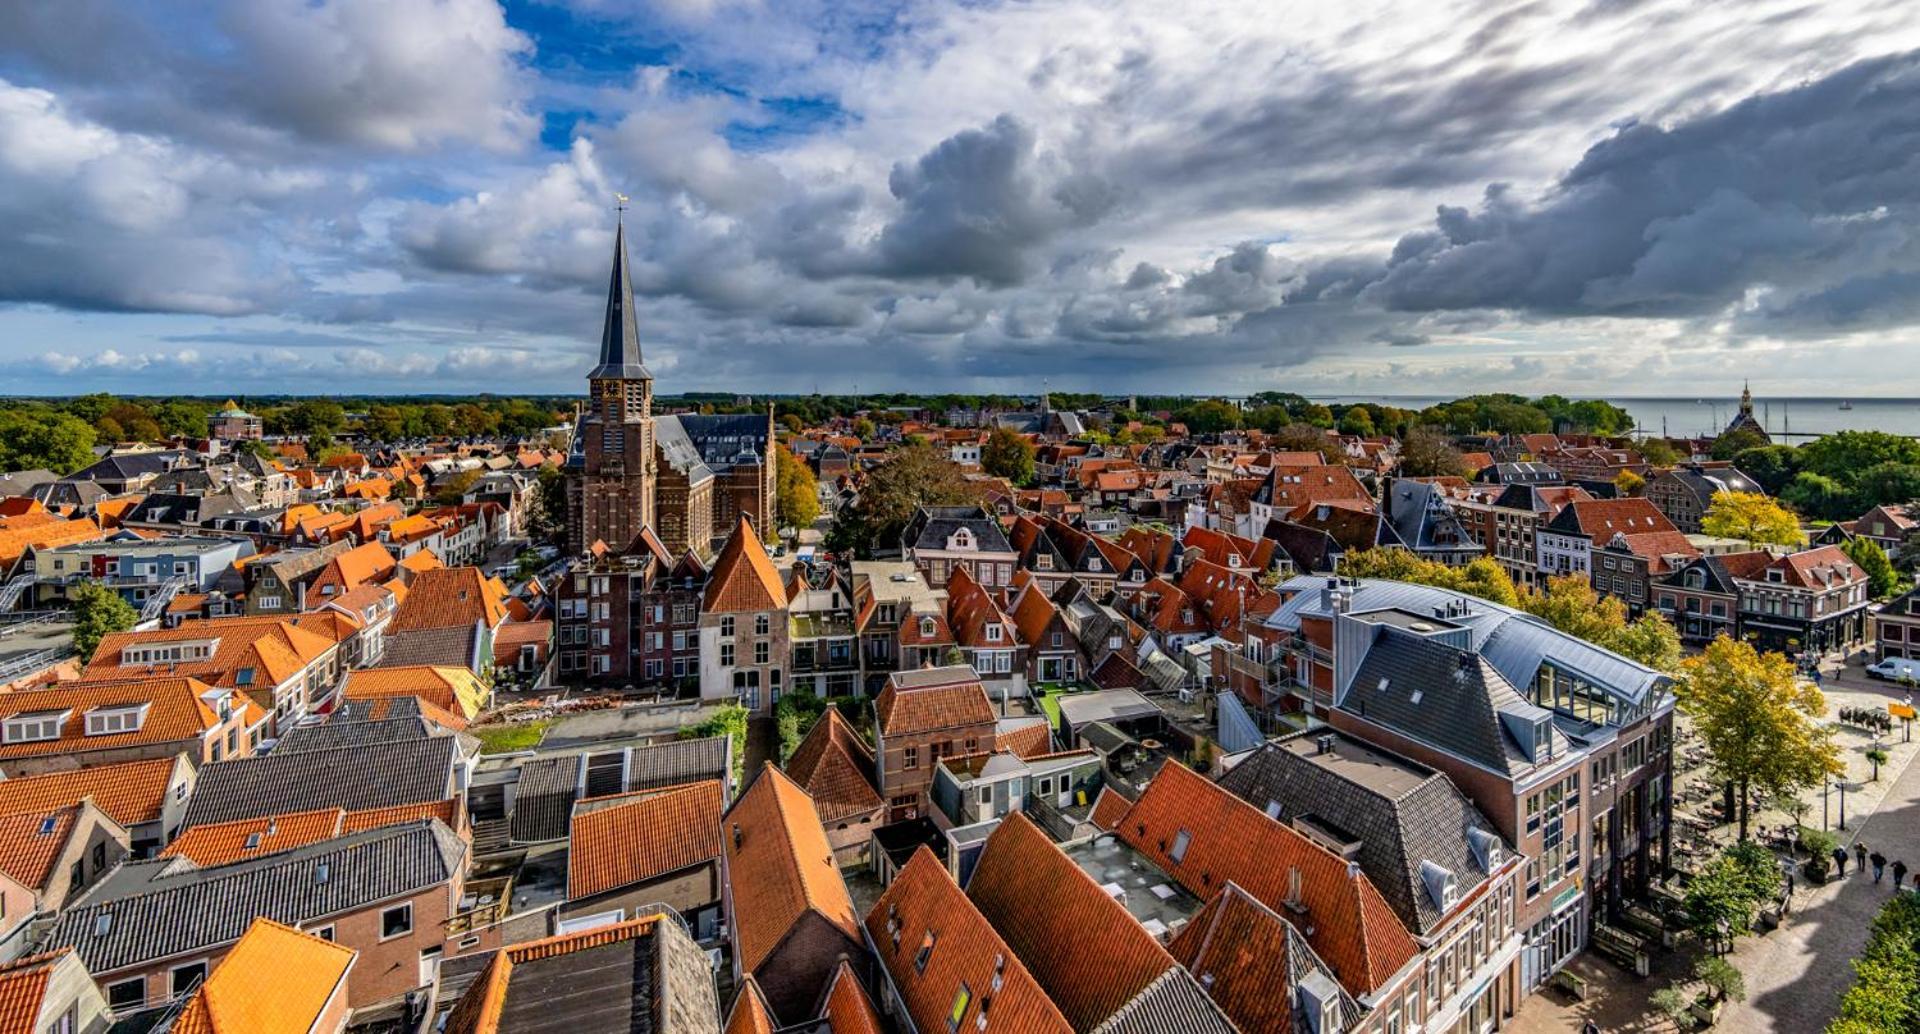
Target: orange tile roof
{"x":1354,"y":929}
{"x":274,"y":649}
{"x":750,"y":1013}
{"x":1033,"y":613}
{"x":656,"y":833}
{"x":743,"y":577}
{"x":1240,"y":950}
{"x":16,"y":539}
{"x":221,"y":843}
{"x":834,"y":765}
{"x":1084,"y":949}
{"x":274,"y":978}
{"x":453,"y":690}
{"x":23,"y":990}
{"x":446,"y":811}
{"x":421,"y":562}
{"x":781,"y":867}
{"x":366,"y":562}
{"x":448,"y":597}
{"x":848,"y":1010}
{"x":923,"y":911}
{"x":1109,"y":808}
{"x":953,"y":703}
{"x":176,"y":712}
{"x":30,"y":841}
{"x":1025,"y":741}
{"x":131,"y":792}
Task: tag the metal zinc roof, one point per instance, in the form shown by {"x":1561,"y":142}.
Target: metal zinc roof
{"x":1512,"y":641}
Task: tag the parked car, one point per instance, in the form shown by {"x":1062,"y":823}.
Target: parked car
{"x":1895,"y":669}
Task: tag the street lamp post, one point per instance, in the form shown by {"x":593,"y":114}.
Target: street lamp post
{"x":1843,"y":802}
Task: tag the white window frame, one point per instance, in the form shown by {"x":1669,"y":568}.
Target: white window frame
{"x":406,"y":907}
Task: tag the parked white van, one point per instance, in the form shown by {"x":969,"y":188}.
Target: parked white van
{"x":1895,"y":669}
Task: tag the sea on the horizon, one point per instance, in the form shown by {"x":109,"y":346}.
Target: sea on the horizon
{"x":1703,"y":415}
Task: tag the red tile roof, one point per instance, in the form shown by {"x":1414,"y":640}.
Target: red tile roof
{"x":848,"y":1010}
{"x":1238,"y":949}
{"x":743,"y":578}
{"x":1109,"y":808}
{"x":614,"y":845}
{"x":275,"y":978}
{"x":750,"y":1013}
{"x":835,"y":766}
{"x":448,"y":597}
{"x":1025,"y":741}
{"x":176,"y":711}
{"x":933,"y":941}
{"x":780,"y":867}
{"x":1352,"y":926}
{"x":30,"y":842}
{"x":1084,"y":949}
{"x":23,"y":990}
{"x":955,"y":701}
{"x":132,"y":792}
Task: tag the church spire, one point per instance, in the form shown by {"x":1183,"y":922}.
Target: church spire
{"x":1746,"y":398}
{"x":620,"y":338}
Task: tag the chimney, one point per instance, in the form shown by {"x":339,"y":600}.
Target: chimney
{"x":737,"y":837}
{"x":1324,"y":745}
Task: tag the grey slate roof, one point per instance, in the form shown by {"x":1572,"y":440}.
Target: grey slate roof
{"x":183,"y":909}
{"x":670,"y":436}
{"x":549,"y":783}
{"x":1423,"y":519}
{"x":453,"y":647}
{"x":620,"y":335}
{"x":1172,"y":1004}
{"x":932,"y":526}
{"x":723,"y":439}
{"x":334,"y":734}
{"x":355,"y":778}
{"x":1515,"y":643}
{"x":1417,"y":815}
{"x":1441,"y":696}
{"x":657,"y":983}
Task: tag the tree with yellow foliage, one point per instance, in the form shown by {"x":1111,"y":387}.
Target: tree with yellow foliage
{"x":1753,"y":518}
{"x":1759,"y":721}
{"x":1570,"y":604}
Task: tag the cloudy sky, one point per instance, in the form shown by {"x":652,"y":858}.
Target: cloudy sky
{"x":1632,"y":196}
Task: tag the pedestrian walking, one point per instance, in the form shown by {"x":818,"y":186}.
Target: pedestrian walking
{"x":1860,"y":857}
{"x":1839,"y":861}
{"x":1879,"y":865}
{"x":1899,"y":874}
{"x":1589,"y":1027}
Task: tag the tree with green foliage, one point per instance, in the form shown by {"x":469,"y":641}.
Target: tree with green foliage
{"x":1882,"y":579}
{"x":912,"y":477}
{"x":1570,"y":604}
{"x":1658,"y":452}
{"x":1482,"y":577}
{"x":1210,"y":416}
{"x":1736,"y":441}
{"x":1770,"y":466}
{"x":794,"y":715}
{"x":797,"y":495}
{"x":1425,"y":452}
{"x":1008,"y":454}
{"x":453,"y":488}
{"x":1356,"y":420}
{"x":1723,"y":898}
{"x":1752,"y":518}
{"x":98,"y":612}
{"x":729,"y":720}
{"x":1844,"y":454}
{"x":1885,"y":995}
{"x":40,"y":437}
{"x":1884,"y":484}
{"x":313,"y":417}
{"x":1817,"y":494}
{"x":864,"y":429}
{"x":1759,"y":720}
{"x":1305,"y":438}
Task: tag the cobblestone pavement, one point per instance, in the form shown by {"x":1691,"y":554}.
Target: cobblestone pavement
{"x":1795,"y":974}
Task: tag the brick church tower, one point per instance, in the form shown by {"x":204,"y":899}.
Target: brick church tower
{"x":611,"y":466}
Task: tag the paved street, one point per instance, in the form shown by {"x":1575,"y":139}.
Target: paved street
{"x":1795,"y":974}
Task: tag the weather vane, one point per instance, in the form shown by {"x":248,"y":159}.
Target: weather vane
{"x":620,"y":204}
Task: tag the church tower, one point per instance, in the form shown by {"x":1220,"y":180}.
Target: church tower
{"x":611,"y":467}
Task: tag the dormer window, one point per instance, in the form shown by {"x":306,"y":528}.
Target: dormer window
{"x":109,"y":721}
{"x":35,"y":726}
{"x":993,"y":633}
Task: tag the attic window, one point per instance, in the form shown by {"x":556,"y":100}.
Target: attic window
{"x":102,"y":924}
{"x":1384,"y":680}
{"x":961,"y":999}
{"x":107,"y":721}
{"x":35,"y":726}
{"x":49,"y":824}
{"x":926,"y":952}
{"x":1180,"y":842}
{"x":321,"y":872}
{"x":243,"y":677}
{"x":253,"y":842}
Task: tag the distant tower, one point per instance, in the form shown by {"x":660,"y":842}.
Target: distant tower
{"x":1744,"y":420}
{"x":610,"y":487}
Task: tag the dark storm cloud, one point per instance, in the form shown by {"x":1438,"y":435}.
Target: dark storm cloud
{"x":1810,"y":193}
{"x":978,"y":204}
